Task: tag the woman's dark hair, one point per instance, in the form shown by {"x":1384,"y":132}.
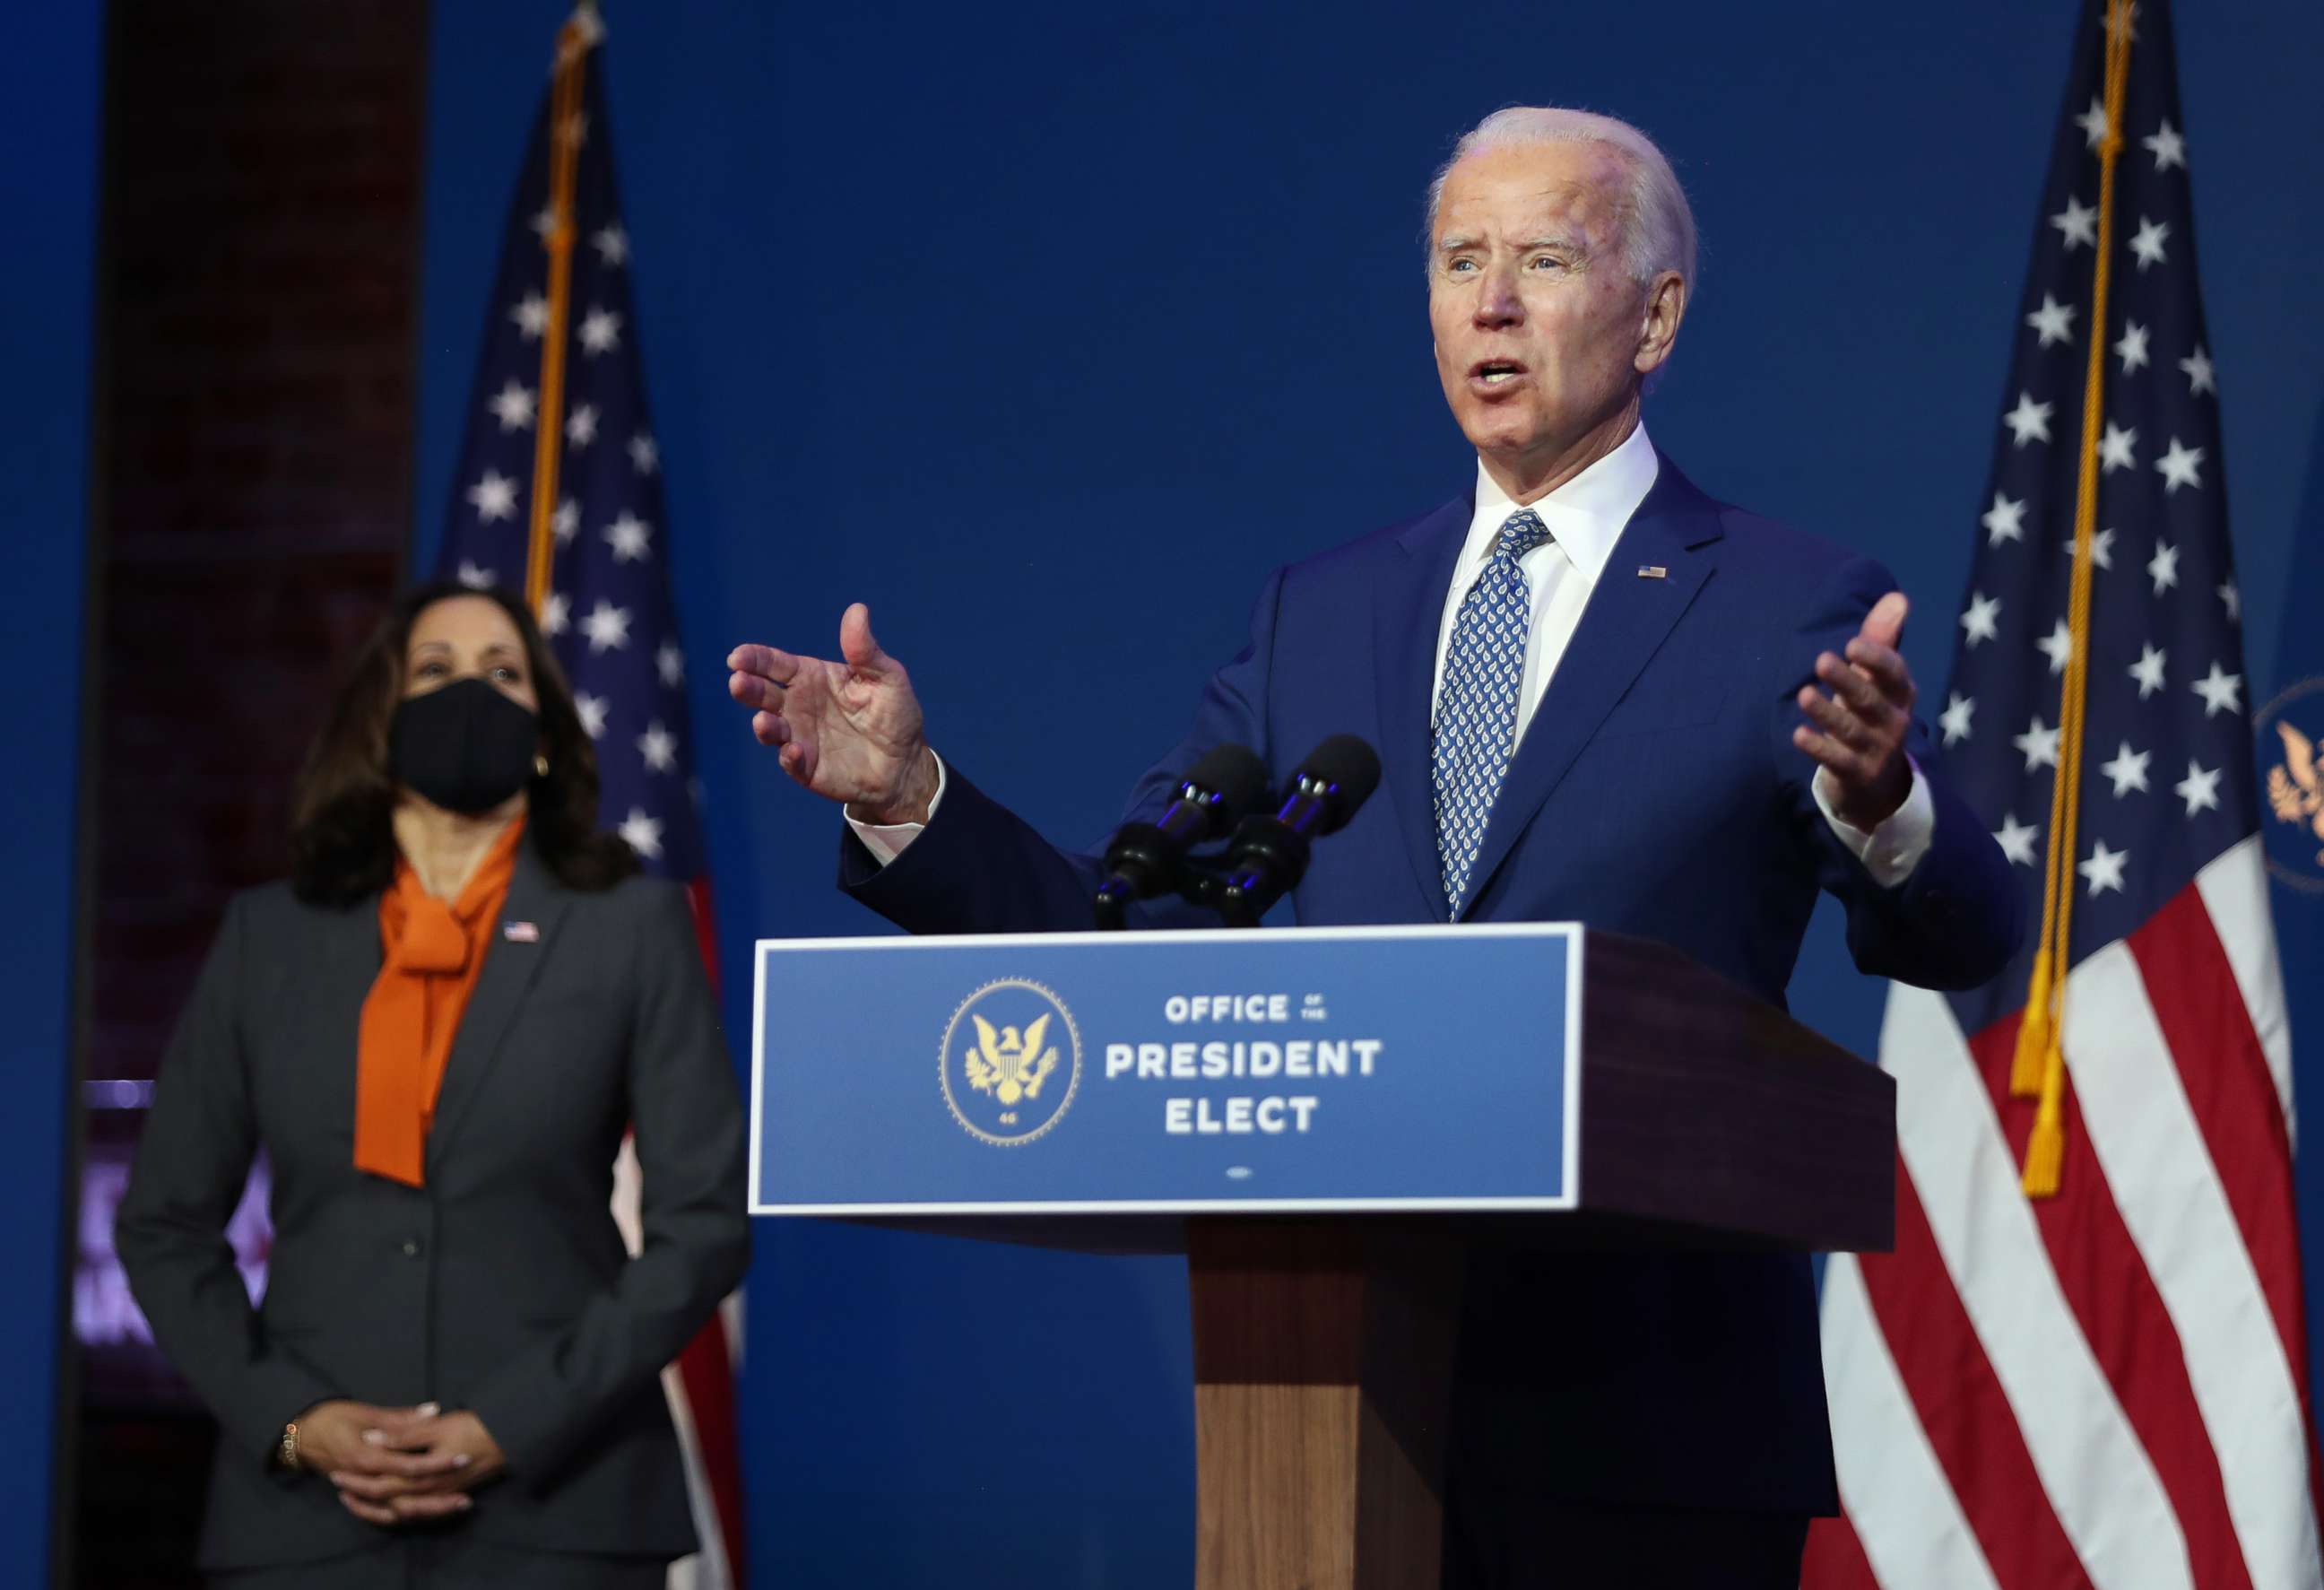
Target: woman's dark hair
{"x":342,"y":835}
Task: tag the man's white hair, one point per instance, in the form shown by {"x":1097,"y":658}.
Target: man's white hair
{"x":1657,"y":226}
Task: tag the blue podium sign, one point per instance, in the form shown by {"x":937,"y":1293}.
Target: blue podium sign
{"x":1292,"y":1070}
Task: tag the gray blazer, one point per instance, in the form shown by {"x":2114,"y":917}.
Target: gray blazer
{"x":503,"y":1286}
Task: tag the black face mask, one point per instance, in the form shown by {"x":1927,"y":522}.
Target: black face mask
{"x":466,"y":747}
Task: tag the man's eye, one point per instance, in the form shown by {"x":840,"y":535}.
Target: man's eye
{"x":1549,"y":262}
{"x":1458,"y":267}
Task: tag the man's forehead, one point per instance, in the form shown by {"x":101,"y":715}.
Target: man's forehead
{"x":1498,"y":188}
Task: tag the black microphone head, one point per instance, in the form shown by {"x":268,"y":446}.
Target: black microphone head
{"x":1236,"y":775}
{"x":1350,"y":766}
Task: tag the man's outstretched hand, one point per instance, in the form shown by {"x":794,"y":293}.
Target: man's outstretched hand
{"x":850,"y":731}
{"x":1858,"y":731}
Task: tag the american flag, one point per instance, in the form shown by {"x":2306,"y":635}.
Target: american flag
{"x":605,"y":604}
{"x":2104,"y":1385}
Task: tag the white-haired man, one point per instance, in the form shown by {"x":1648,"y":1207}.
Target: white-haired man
{"x":1598,"y":694}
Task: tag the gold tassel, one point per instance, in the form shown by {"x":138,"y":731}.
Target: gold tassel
{"x":2034,"y":1033}
{"x":2045,"y":1150}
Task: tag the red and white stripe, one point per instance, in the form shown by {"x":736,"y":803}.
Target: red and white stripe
{"x":700,"y":1387}
{"x":2107,"y":1387}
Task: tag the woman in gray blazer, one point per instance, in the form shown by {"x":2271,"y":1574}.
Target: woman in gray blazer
{"x":454,"y":1376}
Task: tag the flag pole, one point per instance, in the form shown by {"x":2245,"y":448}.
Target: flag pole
{"x":2038,"y":1067}
{"x":574,"y":41}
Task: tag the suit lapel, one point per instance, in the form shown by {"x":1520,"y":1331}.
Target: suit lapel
{"x":1408,"y":610}
{"x":508,"y":971}
{"x":1624,"y":624}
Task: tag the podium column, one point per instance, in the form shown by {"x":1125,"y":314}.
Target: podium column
{"x":1323,"y":1379}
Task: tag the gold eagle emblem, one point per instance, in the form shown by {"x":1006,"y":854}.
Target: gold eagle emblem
{"x":1009,"y":1065}
{"x":2295,"y":791}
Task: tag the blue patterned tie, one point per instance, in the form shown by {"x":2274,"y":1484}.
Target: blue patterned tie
{"x":1477,"y":711}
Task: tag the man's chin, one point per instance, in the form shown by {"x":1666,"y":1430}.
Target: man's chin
{"x":1499,"y":435}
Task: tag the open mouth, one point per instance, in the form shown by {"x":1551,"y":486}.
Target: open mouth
{"x":1491,"y":374}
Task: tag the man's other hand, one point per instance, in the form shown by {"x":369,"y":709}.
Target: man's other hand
{"x":850,"y":731}
{"x":1857,"y":731}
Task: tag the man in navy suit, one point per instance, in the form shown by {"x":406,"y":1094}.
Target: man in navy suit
{"x":1598,"y":694}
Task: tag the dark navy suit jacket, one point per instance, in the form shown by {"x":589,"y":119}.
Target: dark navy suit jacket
{"x":1656,"y":793}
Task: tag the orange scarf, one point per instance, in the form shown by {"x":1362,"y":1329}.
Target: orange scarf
{"x":431,"y":953}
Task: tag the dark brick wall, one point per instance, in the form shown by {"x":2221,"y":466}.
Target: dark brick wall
{"x":255,"y":396}
{"x":262,"y":239}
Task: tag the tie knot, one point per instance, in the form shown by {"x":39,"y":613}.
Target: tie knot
{"x":1521,"y":533}
{"x":432,"y":940}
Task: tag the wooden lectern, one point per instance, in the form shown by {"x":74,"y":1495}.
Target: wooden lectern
{"x":1323,"y":1348}
{"x":1700,"y":1117}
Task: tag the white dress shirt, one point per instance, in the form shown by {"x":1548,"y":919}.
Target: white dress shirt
{"x":1585,"y":517}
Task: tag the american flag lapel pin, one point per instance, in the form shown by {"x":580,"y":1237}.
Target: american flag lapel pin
{"x":1653,"y":571}
{"x":520,"y":932}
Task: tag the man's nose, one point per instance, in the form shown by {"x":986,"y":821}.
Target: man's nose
{"x":1498,"y":303}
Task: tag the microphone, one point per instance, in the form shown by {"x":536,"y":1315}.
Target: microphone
{"x":1269,"y":854}
{"x":1142,"y":858}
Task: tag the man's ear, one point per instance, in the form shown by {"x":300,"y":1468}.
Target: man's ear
{"x":1664,"y":306}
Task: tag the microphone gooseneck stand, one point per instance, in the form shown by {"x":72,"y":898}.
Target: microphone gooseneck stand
{"x":1266,"y":852}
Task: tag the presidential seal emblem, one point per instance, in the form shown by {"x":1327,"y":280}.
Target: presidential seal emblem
{"x":1011,"y":1061}
{"x":2291,"y":735}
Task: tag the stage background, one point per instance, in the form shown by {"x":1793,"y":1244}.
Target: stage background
{"x":49,"y":86}
{"x":1049,"y":331}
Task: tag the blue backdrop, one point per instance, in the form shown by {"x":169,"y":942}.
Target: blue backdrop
{"x":1048,"y":329}
{"x":49,"y":83}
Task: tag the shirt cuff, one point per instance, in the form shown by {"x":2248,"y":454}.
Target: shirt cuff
{"x":1891,"y":851}
{"x":887,"y":841}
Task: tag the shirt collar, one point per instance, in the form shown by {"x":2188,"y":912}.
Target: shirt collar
{"x":1585,"y":515}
